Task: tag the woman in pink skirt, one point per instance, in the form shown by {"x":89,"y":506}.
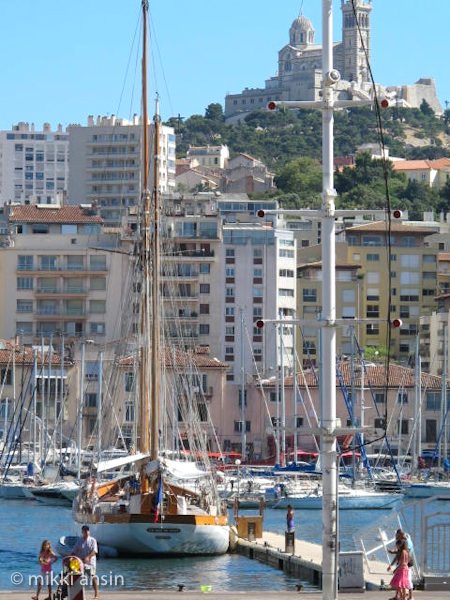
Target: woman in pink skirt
{"x":401,"y":580}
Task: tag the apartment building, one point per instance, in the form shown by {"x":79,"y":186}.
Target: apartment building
{"x":34,"y":164}
{"x":309,"y":301}
{"x":413,"y":267}
{"x":105,"y":165}
{"x":64,"y":276}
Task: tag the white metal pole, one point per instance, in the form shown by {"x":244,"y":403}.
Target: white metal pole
{"x":443,"y":445}
{"x":283,"y":397}
{"x":61,"y":399}
{"x":99,"y":407}
{"x":328,"y":416}
{"x":80,"y":410}
{"x":242,"y":392}
{"x":294,"y":397}
{"x":35,"y":367}
{"x":277,"y":398}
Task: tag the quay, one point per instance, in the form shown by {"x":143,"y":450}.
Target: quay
{"x":260,"y":595}
{"x":305,"y":561}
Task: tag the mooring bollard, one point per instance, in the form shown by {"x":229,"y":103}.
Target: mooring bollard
{"x":289,"y":542}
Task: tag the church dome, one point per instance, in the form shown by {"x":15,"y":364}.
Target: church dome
{"x":302,"y":22}
{"x":301,"y":32}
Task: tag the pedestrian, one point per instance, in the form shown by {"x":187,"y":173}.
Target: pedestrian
{"x":86,"y":549}
{"x":402,"y":536}
{"x":46,"y":559}
{"x":290,"y":519}
{"x":401,"y":579}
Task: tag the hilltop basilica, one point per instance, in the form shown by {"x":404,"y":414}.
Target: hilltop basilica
{"x":299,"y":68}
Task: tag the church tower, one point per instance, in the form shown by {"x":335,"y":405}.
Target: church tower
{"x":354,"y":59}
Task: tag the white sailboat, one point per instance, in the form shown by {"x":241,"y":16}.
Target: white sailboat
{"x":169,"y":507}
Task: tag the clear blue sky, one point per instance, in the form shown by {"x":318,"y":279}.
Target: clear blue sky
{"x":64,"y":59}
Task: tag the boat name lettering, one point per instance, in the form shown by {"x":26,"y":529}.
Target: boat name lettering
{"x":163,"y":530}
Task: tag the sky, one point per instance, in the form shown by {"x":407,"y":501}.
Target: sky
{"x":61,"y":60}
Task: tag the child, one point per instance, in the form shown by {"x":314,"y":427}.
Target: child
{"x":46,"y":559}
{"x":401,"y":579}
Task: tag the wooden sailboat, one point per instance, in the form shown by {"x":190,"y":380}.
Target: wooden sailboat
{"x":153,"y":512}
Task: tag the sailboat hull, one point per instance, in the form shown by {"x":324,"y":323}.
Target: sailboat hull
{"x":346,"y":502}
{"x":427,"y":490}
{"x":158,"y":539}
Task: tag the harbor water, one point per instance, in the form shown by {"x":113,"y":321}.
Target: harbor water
{"x":24,"y":524}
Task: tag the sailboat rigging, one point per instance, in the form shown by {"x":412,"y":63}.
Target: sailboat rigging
{"x":167,"y":507}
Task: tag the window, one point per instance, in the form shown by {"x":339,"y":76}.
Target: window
{"x":372,"y":240}
{"x":98,"y":283}
{"x":285,"y":292}
{"x":373,"y":257}
{"x":24,"y":283}
{"x":204,"y":288}
{"x":205,"y":268}
{"x":97,"y":263}
{"x":6,"y":377}
{"x":309,"y":295}
{"x":372,"y":311}
{"x":379,"y":423}
{"x":229,"y":311}
{"x":372,"y":329}
{"x":286,"y":273}
{"x":204,"y":309}
{"x":257,"y":253}
{"x":229,"y":272}
{"x":373,"y":277}
{"x":429,"y":259}
{"x":129,"y":381}
{"x":257,"y":292}
{"x":433,"y":401}
{"x":229,"y":330}
{"x":257,"y":272}
{"x":26,"y":327}
{"x":129,"y":412}
{"x":24,"y":263}
{"x":202,"y":410}
{"x":430,"y":431}
{"x":410,"y":261}
{"x":39,"y":227}
{"x":380,"y":397}
{"x":402,"y":427}
{"x":285,"y":253}
{"x":229,"y":252}
{"x":204,"y":329}
{"x":48,"y":263}
{"x":348,"y":296}
{"x":257,"y":311}
{"x":409,"y":277}
{"x":240,"y":397}
{"x":90,"y":399}
{"x":238,"y":426}
{"x":402,"y":398}
{"x":24,"y":306}
{"x":348,"y":312}
{"x":97,"y":328}
{"x":97,"y":306}
{"x":229,"y":292}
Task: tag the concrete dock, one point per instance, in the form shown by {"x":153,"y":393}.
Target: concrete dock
{"x":306,"y":560}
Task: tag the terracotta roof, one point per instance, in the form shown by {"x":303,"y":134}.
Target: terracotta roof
{"x":25,"y":357}
{"x":374,"y":377}
{"x":395,"y":228}
{"x":181,"y":359}
{"x":65,"y":214}
{"x":440,"y":163}
{"x":412,"y":165}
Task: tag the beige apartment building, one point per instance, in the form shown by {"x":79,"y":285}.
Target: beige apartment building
{"x":62,"y":275}
{"x":413,"y":277}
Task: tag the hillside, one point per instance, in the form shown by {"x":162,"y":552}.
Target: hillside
{"x":289,"y":142}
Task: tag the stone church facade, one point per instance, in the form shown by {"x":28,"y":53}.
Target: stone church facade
{"x":299,"y":74}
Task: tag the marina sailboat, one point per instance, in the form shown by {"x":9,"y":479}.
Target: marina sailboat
{"x":167,"y":506}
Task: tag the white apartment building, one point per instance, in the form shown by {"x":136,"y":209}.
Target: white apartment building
{"x":61,"y":274}
{"x":34,"y":165}
{"x":105,"y":165}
